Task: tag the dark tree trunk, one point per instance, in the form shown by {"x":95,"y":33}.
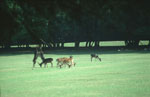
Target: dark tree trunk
{"x":77,"y":44}
{"x":7,"y":46}
{"x":96,"y":44}
{"x":132,"y":43}
{"x":62,"y":45}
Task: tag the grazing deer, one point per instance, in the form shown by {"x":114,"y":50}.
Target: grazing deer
{"x":67,"y":61}
{"x":45,"y":61}
{"x":60,"y":61}
{"x":38,"y":53}
{"x":95,"y":56}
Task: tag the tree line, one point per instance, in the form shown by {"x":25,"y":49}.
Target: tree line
{"x":55,"y":22}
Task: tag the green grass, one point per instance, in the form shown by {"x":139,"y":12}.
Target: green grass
{"x":120,"y":74}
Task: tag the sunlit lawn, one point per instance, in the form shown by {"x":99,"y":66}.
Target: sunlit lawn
{"x":120,"y":74}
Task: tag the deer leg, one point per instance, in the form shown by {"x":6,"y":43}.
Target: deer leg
{"x":74,"y":64}
{"x":91,"y":59}
{"x":34,"y":60}
{"x":41,"y":55}
{"x":34,"y":64}
{"x":99,"y":59}
{"x":60,"y":65}
{"x":51,"y":64}
{"x":41,"y":64}
{"x":45,"y":65}
{"x":69,"y":65}
{"x":57,"y":64}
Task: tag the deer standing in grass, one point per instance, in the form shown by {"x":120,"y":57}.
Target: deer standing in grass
{"x":45,"y":61}
{"x":95,"y":56}
{"x":65,"y":61}
{"x":38,"y":53}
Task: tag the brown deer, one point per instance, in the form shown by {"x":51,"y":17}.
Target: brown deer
{"x":37,"y":53}
{"x":45,"y":61}
{"x":95,"y":56}
{"x":65,"y":61}
{"x":60,"y":61}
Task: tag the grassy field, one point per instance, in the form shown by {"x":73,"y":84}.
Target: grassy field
{"x":119,"y":74}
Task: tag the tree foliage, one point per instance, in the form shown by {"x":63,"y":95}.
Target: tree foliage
{"x":60,"y":21}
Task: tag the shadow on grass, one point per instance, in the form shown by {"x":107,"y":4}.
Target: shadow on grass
{"x":76,"y":51}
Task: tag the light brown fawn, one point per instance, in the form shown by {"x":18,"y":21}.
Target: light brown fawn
{"x":65,"y":61}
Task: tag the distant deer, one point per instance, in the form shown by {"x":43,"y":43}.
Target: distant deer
{"x":95,"y":56}
{"x":45,"y":61}
{"x":38,"y":53}
{"x":65,"y":61}
{"x":60,"y":61}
